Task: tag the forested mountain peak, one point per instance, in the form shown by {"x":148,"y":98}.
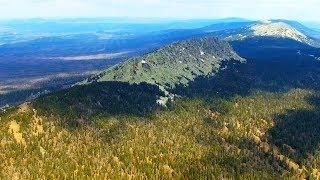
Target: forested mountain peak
{"x":178,"y":63}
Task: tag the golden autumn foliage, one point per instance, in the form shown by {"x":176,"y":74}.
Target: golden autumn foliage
{"x":191,"y":141}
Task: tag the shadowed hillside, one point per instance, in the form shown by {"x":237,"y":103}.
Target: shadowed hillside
{"x":271,"y":65}
{"x":297,"y":132}
{"x":108,"y":98}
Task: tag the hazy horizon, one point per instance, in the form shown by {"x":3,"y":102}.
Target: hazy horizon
{"x":160,"y":9}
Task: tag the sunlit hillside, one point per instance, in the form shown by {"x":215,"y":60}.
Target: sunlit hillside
{"x":259,"y":136}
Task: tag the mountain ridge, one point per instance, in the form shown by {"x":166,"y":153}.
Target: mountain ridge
{"x":177,"y":63}
{"x":270,"y":28}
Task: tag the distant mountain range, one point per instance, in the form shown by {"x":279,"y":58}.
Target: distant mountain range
{"x":273,"y":28}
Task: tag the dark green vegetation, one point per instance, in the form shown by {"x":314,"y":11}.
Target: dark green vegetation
{"x":272,"y":65}
{"x":107,"y":98}
{"x":115,"y":92}
{"x":252,"y":120}
{"x":175,"y":64}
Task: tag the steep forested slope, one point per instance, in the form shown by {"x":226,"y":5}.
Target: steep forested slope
{"x":175,"y":64}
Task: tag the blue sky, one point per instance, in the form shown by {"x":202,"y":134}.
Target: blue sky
{"x":306,"y":10}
